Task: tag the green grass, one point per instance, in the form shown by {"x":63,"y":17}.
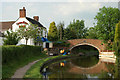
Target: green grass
{"x":14,"y":57}
{"x":34,"y":71}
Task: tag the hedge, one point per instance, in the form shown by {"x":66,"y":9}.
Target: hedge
{"x":14,"y":57}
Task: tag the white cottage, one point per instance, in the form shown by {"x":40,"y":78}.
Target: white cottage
{"x":26,"y":21}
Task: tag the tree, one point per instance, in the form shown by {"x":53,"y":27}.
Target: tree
{"x":69,"y":34}
{"x":60,"y":27}
{"x":117,"y":33}
{"x":117,"y":38}
{"x":106,"y":20}
{"x":39,"y":34}
{"x":79,"y":28}
{"x":116,"y":47}
{"x":52,"y":33}
{"x":91,"y":33}
{"x":28,"y":32}
{"x":11,"y":38}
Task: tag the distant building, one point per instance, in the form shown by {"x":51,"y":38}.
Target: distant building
{"x":22,"y":21}
{"x":4,"y":26}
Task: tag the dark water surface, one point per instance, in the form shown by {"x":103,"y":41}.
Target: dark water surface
{"x":86,"y":67}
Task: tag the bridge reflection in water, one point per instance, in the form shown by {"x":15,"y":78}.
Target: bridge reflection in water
{"x":98,"y":68}
{"x":77,"y":68}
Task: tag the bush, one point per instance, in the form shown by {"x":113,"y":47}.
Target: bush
{"x":11,"y":38}
{"x":14,"y":57}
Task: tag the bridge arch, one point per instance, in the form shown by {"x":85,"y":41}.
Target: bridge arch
{"x":85,"y":44}
{"x":97,"y":44}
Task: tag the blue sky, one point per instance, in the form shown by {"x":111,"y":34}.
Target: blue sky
{"x":49,"y":11}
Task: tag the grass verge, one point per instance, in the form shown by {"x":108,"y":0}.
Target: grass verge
{"x":14,"y":57}
{"x":34,"y":71}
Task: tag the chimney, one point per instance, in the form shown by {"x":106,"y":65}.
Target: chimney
{"x":23,"y":12}
{"x":36,"y":18}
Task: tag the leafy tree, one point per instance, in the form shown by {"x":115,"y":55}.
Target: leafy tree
{"x":91,"y":33}
{"x":69,"y":34}
{"x":52,"y":33}
{"x":79,"y":28}
{"x":39,"y":34}
{"x":117,"y":33}
{"x":28,"y":32}
{"x":106,"y":20}
{"x":11,"y":38}
{"x":117,"y":38}
{"x":60,"y":27}
{"x":116,"y":47}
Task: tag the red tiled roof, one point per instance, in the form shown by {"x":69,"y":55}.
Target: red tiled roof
{"x":6,"y":25}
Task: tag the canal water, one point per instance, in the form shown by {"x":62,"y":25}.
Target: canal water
{"x":87,"y":66}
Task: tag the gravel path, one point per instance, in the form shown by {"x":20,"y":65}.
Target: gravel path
{"x":21,"y":71}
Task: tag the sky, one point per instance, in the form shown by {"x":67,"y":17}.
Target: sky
{"x":58,"y":11}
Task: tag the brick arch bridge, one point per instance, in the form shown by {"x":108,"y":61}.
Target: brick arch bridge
{"x":104,"y":54}
{"x":98,"y":44}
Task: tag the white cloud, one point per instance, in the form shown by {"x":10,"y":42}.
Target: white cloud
{"x":72,"y":8}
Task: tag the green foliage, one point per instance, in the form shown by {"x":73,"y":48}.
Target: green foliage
{"x":11,"y":38}
{"x":69,"y":34}
{"x":52,"y":33}
{"x":106,"y":19}
{"x":14,"y":57}
{"x":39,"y":34}
{"x":91,"y":33}
{"x":117,"y":38}
{"x":75,"y":30}
{"x":117,"y":33}
{"x":29,"y":32}
{"x":79,"y":28}
{"x":60,"y":27}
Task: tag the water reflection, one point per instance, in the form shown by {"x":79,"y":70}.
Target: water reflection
{"x":87,"y":67}
{"x":87,"y":61}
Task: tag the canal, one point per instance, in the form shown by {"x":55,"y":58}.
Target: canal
{"x":88,"y":66}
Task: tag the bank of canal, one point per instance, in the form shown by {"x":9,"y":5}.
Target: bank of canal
{"x":34,"y":71}
{"x":75,"y":67}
